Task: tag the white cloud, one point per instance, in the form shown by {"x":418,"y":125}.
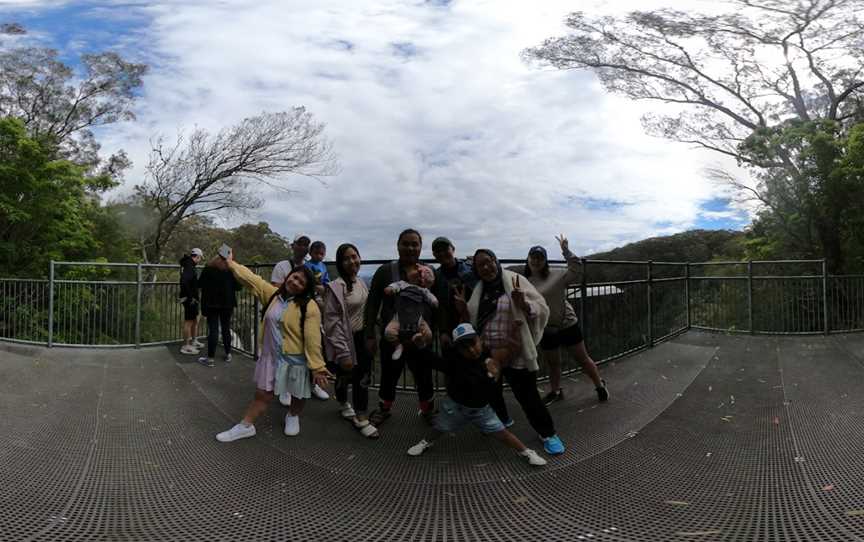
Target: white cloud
{"x":438,"y":123}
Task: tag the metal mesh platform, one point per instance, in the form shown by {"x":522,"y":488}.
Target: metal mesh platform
{"x":707,"y":437}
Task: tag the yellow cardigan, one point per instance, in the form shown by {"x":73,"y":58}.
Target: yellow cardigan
{"x":293,"y":342}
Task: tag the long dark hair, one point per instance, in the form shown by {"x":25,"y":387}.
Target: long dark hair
{"x":307,"y":293}
{"x":340,"y":255}
{"x":544,"y":273}
{"x":219,"y":263}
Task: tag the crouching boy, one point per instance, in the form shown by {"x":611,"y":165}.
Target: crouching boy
{"x":471,"y":374}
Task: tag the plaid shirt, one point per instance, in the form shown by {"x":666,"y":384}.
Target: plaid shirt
{"x":500,"y":331}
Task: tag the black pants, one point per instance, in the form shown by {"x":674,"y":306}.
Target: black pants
{"x":391,"y":371}
{"x":358,"y":377}
{"x":215,"y":319}
{"x":524,"y":385}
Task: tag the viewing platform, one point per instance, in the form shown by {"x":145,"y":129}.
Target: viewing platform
{"x":707,"y":437}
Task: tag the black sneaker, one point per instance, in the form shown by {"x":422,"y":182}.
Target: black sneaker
{"x":206,"y":362}
{"x":379,"y":416}
{"x":602,"y":392}
{"x":428,"y":416}
{"x":553,"y":397}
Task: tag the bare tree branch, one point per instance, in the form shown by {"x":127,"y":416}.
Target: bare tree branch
{"x":208,"y":173}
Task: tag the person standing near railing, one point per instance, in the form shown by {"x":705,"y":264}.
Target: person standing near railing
{"x":408,"y":244}
{"x":218,"y":300}
{"x":299,"y":252}
{"x":510,"y":315}
{"x":344,"y":302}
{"x":190,"y":300}
{"x":290,"y":347}
{"x":562,"y":330}
{"x":451,"y":276}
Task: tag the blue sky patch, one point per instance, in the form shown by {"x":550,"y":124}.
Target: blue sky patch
{"x":600,"y":204}
{"x":86,"y":27}
{"x":404,"y":49}
{"x":718,"y":214}
{"x":345,"y":45}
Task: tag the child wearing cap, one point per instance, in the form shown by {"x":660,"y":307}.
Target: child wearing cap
{"x":413,"y":306}
{"x":471,"y":376}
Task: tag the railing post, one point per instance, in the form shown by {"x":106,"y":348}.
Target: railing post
{"x":687,"y":291}
{"x":256,"y":307}
{"x":826,"y":322}
{"x":750,"y":295}
{"x":650,"y":306}
{"x":51,"y":304}
{"x":138,"y":308}
{"x":583,"y":292}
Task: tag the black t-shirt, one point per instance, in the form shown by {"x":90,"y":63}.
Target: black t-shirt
{"x":468,"y":380}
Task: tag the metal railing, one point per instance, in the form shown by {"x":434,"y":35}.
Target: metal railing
{"x":623,"y":306}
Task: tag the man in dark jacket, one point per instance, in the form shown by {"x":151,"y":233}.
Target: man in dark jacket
{"x":191,"y":301}
{"x":452,"y":276}
{"x":409,"y":245}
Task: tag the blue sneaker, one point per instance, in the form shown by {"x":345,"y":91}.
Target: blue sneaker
{"x":508,"y":422}
{"x":553,"y":445}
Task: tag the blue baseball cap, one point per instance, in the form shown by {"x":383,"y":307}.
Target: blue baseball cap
{"x":537,"y":249}
{"x":463,"y":332}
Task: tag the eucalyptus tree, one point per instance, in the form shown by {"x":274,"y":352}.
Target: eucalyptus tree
{"x":730,"y":82}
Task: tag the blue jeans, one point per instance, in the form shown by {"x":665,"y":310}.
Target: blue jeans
{"x":452,"y":416}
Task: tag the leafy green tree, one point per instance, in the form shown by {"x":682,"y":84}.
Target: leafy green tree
{"x":811,"y":191}
{"x":774,"y":84}
{"x":47,"y":206}
{"x":62,"y":106}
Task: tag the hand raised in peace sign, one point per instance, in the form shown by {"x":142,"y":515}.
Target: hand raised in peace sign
{"x":563,"y":243}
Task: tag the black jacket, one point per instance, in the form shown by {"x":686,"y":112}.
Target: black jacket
{"x":468,"y":381}
{"x":218,"y":289}
{"x":188,"y":279}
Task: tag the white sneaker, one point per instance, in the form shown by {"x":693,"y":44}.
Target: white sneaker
{"x":236,"y":433}
{"x":189,"y":350}
{"x":285,"y":398}
{"x":198,"y":344}
{"x":292,"y":425}
{"x":347,"y":411}
{"x":419,"y":448}
{"x":319,"y":393}
{"x":533,"y":457}
{"x":227,"y":358}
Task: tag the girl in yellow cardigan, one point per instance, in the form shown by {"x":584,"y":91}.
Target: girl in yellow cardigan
{"x":289,"y":346}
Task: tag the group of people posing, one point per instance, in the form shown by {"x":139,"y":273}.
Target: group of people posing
{"x":479,"y":324}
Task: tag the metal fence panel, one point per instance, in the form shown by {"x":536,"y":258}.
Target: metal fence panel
{"x":623,"y":306}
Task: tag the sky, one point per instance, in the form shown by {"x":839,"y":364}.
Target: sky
{"x":437,"y":122}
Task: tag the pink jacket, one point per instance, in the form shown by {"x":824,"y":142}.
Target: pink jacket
{"x":338,"y":339}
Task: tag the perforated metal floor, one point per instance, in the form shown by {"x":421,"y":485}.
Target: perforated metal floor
{"x":707,"y":437}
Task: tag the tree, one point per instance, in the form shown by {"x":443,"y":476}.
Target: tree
{"x":732,"y":78}
{"x":732,"y":74}
{"x":59,"y":105}
{"x":216,"y":174}
{"x":46,"y":207}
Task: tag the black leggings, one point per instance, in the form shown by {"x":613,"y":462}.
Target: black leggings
{"x":358,"y":377}
{"x":524,"y":385}
{"x":392,"y":369}
{"x":217,"y":318}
